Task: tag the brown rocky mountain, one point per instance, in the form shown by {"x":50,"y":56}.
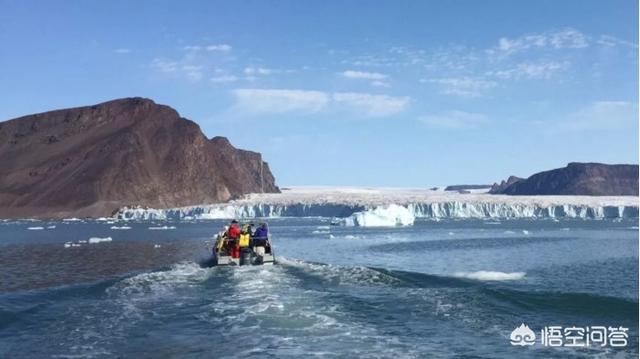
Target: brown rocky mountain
{"x":590,"y":179}
{"x":88,"y":161}
{"x":499,"y":188}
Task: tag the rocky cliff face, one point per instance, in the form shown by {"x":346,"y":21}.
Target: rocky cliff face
{"x":499,"y":188}
{"x":591,"y":179}
{"x":88,"y":161}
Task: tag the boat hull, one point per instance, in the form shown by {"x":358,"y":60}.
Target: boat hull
{"x":225,"y":260}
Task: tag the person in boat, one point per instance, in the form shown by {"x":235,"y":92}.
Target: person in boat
{"x":260,"y":236}
{"x":222,"y":241}
{"x":233,"y":234}
{"x":245,"y":236}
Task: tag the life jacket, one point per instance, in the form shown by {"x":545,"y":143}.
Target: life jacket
{"x":244,"y":240}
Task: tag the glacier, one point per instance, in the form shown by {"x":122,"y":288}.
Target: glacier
{"x":390,"y":207}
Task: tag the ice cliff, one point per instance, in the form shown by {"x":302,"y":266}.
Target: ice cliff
{"x":390,"y":207}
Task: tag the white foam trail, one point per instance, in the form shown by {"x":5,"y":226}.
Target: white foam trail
{"x":490,"y":275}
{"x":118,"y":228}
{"x":162,"y":228}
{"x":35,"y":228}
{"x":94,"y":240}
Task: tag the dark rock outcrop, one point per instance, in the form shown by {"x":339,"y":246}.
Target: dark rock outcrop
{"x":88,"y":161}
{"x":499,"y":188}
{"x":590,"y":179}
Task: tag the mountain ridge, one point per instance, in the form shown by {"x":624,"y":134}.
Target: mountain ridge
{"x":577,"y":178}
{"x":90,"y":160}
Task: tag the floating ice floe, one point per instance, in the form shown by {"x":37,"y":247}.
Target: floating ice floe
{"x":35,"y":228}
{"x":121,"y":227}
{"x":94,"y":240}
{"x":51,"y":227}
{"x":525,"y":232}
{"x":162,"y":228}
{"x":490,"y":275}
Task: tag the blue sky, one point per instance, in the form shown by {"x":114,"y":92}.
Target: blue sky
{"x":384,"y":93}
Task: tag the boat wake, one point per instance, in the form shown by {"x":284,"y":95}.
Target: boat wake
{"x":292,"y":309}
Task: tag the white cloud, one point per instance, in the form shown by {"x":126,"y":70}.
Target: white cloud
{"x":531,"y":70}
{"x":193,"y":75}
{"x":455,"y":120}
{"x":191,"y":67}
{"x":612,"y":41}
{"x":215,"y":47}
{"x":223,"y":79}
{"x":274,"y":101}
{"x":122,"y":50}
{"x":567,"y":38}
{"x":379,"y":83}
{"x":371,"y":105}
{"x":164,"y":65}
{"x":258,"y":71}
{"x":601,"y":115}
{"x":219,"y":47}
{"x":374,"y":76}
{"x":462,"y":86}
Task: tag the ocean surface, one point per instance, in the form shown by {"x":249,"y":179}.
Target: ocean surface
{"x":438,"y":289}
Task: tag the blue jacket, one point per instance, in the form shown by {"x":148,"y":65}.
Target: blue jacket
{"x":261,"y":232}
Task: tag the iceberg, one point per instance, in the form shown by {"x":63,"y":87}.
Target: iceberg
{"x":384,"y":216}
{"x":94,"y":240}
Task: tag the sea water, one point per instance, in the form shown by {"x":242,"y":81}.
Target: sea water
{"x":448,"y":288}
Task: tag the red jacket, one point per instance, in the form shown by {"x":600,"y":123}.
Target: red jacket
{"x":234,"y":231}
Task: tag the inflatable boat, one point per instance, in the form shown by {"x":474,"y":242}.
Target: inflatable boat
{"x":243,"y":251}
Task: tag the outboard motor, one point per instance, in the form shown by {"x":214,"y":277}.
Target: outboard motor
{"x":245,"y":257}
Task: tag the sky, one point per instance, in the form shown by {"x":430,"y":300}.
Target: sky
{"x":349,"y":93}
